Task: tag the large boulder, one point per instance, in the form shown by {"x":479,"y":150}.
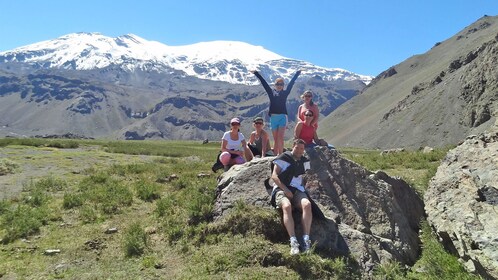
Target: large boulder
{"x":370,"y":217}
{"x":461,"y":203}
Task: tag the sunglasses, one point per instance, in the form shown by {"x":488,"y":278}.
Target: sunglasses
{"x":307,"y":96}
{"x":234,"y":123}
{"x":279,"y":84}
{"x":258,"y":123}
{"x":308,"y":115}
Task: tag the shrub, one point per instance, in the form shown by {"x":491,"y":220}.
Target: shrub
{"x":435,"y":261}
{"x":135,"y":241}
{"x":7,"y":166}
{"x":88,"y":214}
{"x":23,"y":221}
{"x":51,"y":184}
{"x":72,"y":200}
{"x":147,"y":191}
{"x":389,"y":271}
{"x":164,"y":206}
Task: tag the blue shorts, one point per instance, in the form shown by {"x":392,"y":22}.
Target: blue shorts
{"x":277,"y":121}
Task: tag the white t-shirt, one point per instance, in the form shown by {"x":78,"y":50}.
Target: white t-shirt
{"x":233,"y":144}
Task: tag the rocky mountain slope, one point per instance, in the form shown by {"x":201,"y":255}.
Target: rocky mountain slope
{"x":433,"y":99}
{"x":131,"y":88}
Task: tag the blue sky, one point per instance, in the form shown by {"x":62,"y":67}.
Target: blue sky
{"x":365,"y":37}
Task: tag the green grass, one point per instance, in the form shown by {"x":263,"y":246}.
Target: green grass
{"x":164,"y":222}
{"x":415,"y":167}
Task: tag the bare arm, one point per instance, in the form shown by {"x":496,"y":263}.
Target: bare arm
{"x":297,"y":130}
{"x":264,"y":144}
{"x":252,"y":138}
{"x":316,"y":115}
{"x":299,"y":110}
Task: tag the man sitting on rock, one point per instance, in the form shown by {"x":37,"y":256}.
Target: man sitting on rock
{"x":289,"y":192}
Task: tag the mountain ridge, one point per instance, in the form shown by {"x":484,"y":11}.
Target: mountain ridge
{"x":228,"y":61}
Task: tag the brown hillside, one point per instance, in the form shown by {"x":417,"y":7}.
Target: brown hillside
{"x":432,"y":99}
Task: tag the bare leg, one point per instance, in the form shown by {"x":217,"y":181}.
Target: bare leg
{"x":307,"y":216}
{"x":280,"y":137}
{"x":288,"y":219}
{"x":276,"y":142}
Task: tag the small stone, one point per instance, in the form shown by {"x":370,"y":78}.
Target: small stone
{"x":51,"y":252}
{"x":111,"y":230}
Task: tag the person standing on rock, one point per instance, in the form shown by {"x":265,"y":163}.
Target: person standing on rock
{"x":278,"y":108}
{"x":289,"y":192}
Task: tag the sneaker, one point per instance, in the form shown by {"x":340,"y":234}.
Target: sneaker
{"x":216,"y":166}
{"x":294,"y":247}
{"x":307,"y":246}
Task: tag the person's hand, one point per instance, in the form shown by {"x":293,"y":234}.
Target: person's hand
{"x":288,"y":193}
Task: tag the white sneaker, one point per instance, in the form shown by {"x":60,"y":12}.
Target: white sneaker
{"x":307,"y":246}
{"x":294,"y":247}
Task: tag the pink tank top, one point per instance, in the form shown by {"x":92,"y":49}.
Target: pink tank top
{"x":307,"y":133}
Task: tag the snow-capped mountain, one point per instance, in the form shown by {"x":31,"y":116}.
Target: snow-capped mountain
{"x":227,"y":61}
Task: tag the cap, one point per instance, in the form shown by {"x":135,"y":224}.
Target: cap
{"x":258,"y":119}
{"x":235,"y":120}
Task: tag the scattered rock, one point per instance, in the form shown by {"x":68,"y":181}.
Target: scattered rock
{"x":427,"y":150}
{"x":151,"y":230}
{"x":51,"y":252}
{"x":203,"y":175}
{"x":94,"y":244}
{"x":390,"y":151}
{"x":111,"y":230}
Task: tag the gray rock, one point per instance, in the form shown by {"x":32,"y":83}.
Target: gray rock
{"x":461,"y":203}
{"x":371,"y":217}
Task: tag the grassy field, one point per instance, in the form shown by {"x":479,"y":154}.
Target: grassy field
{"x":93,"y":209}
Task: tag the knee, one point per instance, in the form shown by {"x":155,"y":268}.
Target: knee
{"x":286,"y":208}
{"x":225,"y":158}
{"x":306,"y":204}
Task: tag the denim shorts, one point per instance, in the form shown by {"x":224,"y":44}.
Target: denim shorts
{"x":277,"y":121}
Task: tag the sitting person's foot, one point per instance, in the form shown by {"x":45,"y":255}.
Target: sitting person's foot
{"x":217,"y":166}
{"x":294,"y":247}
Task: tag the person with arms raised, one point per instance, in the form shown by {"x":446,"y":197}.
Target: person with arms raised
{"x":278,"y":108}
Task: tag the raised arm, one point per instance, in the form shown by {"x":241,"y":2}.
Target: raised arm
{"x":293,"y":80}
{"x":263,"y":82}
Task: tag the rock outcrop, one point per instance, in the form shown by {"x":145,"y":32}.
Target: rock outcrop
{"x":371,"y":217}
{"x":461,"y":203}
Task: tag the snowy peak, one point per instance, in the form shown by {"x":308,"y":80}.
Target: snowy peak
{"x":228,"y":61}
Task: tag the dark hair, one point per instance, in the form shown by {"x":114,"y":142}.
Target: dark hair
{"x":298,"y":141}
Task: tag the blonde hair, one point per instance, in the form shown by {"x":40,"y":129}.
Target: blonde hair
{"x":306,"y":93}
